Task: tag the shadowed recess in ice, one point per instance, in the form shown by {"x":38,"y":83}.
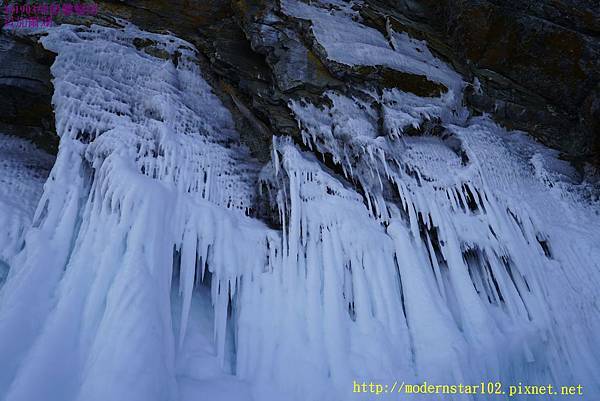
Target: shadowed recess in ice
{"x":23,"y":170}
{"x":416,"y":244}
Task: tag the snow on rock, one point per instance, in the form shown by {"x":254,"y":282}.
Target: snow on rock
{"x":416,"y":244}
{"x":336,"y":27}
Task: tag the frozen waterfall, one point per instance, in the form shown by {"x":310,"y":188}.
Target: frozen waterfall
{"x":459,"y":255}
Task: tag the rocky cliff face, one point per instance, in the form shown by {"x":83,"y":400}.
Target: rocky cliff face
{"x":26,"y":91}
{"x":534,"y":66}
{"x":538,"y":62}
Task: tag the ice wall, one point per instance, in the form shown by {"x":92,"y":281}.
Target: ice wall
{"x":417,"y":243}
{"x":147,"y":163}
{"x":23,"y":170}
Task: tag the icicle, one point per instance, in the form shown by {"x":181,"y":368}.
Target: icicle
{"x":188,"y":269}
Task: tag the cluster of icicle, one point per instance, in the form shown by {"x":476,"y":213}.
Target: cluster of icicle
{"x":438,"y":257}
{"x":146,"y":169}
{"x":483,"y":250}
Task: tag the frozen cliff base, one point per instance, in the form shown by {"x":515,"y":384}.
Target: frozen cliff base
{"x":23,"y":171}
{"x":461,"y":254}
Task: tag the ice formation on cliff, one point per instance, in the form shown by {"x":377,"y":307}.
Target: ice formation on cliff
{"x":457,"y":255}
{"x":23,"y":170}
